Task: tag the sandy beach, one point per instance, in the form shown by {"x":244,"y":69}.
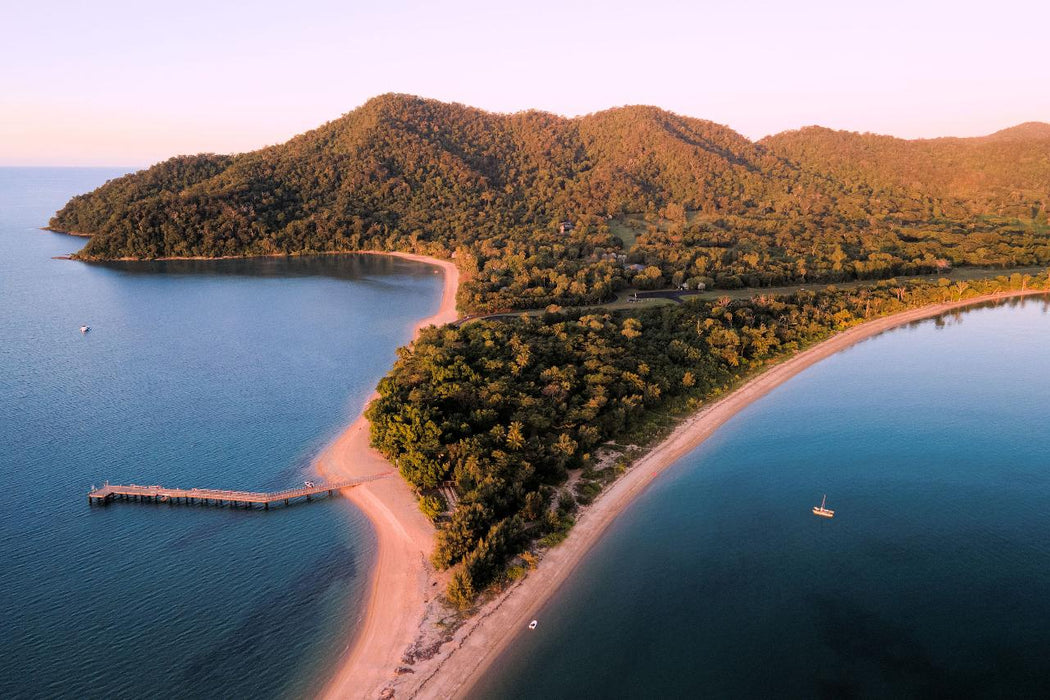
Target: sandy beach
{"x":403,"y":582}
{"x":404,"y":536}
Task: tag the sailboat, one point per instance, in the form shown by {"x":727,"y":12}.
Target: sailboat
{"x":822,"y":511}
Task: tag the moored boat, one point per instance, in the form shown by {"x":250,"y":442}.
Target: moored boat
{"x":822,"y":511}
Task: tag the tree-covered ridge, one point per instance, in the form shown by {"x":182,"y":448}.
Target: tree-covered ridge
{"x":1006,"y":174}
{"x":92,"y":212}
{"x":404,"y":173}
{"x":506,"y":411}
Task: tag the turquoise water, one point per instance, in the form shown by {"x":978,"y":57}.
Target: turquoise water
{"x":933,"y":579}
{"x":225,"y":374}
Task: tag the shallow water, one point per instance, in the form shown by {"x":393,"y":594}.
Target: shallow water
{"x":224,"y":374}
{"x":933,"y":579}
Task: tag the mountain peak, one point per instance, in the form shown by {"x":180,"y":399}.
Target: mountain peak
{"x":1025,"y":131}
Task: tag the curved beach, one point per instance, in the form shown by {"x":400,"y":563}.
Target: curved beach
{"x":403,"y":582}
{"x":404,"y":540}
{"x":479,"y":643}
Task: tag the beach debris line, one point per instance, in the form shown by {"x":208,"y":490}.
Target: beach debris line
{"x":822,"y":510}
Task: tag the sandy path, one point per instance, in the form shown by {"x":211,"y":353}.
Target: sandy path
{"x":479,"y":643}
{"x":404,"y":536}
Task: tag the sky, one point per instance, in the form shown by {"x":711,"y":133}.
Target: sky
{"x":109,"y":82}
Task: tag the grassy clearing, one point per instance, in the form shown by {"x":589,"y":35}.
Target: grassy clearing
{"x":627,"y":230}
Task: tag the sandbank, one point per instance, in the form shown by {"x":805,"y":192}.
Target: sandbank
{"x":405,"y":539}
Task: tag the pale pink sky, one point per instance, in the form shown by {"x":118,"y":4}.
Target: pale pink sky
{"x":129,"y":83}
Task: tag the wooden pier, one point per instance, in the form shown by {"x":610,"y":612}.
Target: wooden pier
{"x":214,"y":497}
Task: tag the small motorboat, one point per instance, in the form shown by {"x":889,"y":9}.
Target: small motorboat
{"x":532,"y":625}
{"x":85,"y":329}
{"x":309,"y":484}
{"x":822,"y":511}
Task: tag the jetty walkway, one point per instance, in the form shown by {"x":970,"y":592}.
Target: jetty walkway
{"x":214,"y":497}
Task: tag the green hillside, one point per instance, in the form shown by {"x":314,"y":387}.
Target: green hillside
{"x":405,"y":173}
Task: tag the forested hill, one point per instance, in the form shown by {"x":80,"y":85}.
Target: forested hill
{"x":1006,"y":174}
{"x":652,"y":199}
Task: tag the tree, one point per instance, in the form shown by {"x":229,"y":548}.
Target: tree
{"x":632,"y":328}
{"x":460,"y":590}
{"x":515,"y":437}
{"x":432,"y":505}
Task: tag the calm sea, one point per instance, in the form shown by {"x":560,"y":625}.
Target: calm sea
{"x":933,"y":579}
{"x":225,"y":374}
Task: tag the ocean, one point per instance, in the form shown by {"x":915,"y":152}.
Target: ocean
{"x":218,"y":374}
{"x":932,"y":580}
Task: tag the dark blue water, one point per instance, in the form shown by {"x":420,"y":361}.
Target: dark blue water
{"x":226,"y":374}
{"x":933,"y":580}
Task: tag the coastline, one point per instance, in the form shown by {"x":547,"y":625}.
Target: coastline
{"x":402,"y":576}
{"x":478,"y":644}
{"x":408,"y":256}
{"x":404,"y":538}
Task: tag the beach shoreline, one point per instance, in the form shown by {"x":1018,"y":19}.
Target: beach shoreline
{"x":483,"y":638}
{"x":404,"y":590}
{"x":404,"y":538}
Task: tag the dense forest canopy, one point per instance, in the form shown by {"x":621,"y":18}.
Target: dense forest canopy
{"x":526,"y":418}
{"x":651,"y":199}
{"x":1006,"y":174}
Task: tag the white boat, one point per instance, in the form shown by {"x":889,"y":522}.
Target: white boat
{"x":532,"y":625}
{"x":822,"y":511}
{"x":85,"y":329}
